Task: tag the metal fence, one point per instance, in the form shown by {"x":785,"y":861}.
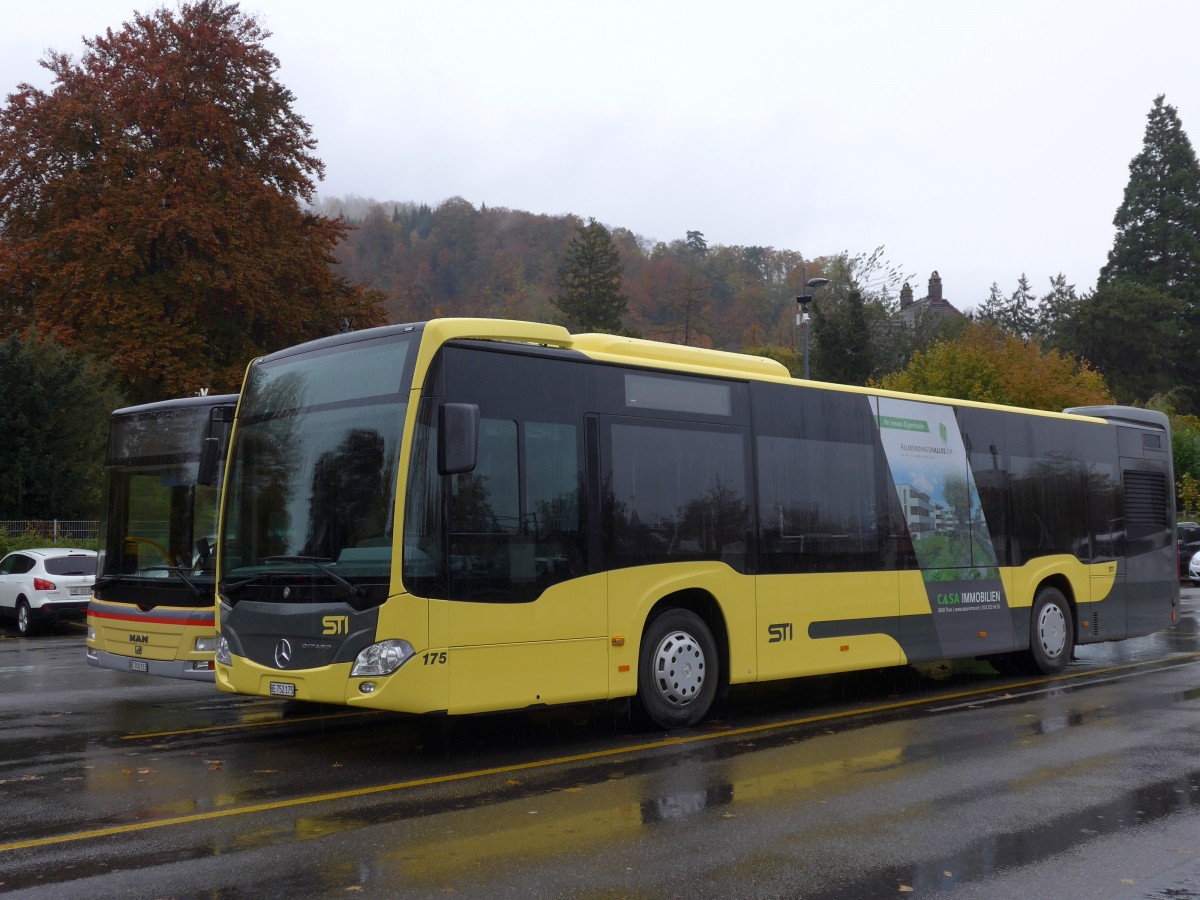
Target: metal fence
{"x":56,"y":531}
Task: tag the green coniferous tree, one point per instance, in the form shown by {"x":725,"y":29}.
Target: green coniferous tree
{"x":1157,"y":245}
{"x":1055,"y":312}
{"x":1158,"y":223}
{"x":993,"y":308}
{"x":1130,"y":334}
{"x":688,"y":298}
{"x":589,"y":282}
{"x":1022,"y":316}
{"x":844,"y":349}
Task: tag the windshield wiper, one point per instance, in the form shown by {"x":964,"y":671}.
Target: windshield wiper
{"x":178,"y":573}
{"x":319,"y":562}
{"x":231,"y":586}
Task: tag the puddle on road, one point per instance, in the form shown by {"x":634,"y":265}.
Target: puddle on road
{"x":996,"y":853}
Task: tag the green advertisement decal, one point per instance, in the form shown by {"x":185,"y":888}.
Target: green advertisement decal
{"x":950,"y":537}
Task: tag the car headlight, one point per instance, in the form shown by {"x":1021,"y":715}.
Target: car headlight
{"x":206,"y":644}
{"x":383,"y":658}
{"x":224,"y":655}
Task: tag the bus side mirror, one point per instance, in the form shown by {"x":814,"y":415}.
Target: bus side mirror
{"x":207,"y":473}
{"x":458,"y":438}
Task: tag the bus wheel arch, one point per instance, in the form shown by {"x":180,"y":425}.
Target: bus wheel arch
{"x":682,"y":660}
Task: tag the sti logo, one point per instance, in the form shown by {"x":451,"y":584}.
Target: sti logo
{"x":942,"y":432}
{"x":779,"y":632}
{"x":335,"y":625}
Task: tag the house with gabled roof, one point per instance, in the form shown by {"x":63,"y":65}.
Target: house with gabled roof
{"x":932,"y":303}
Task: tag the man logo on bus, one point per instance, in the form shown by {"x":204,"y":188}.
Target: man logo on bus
{"x":335,"y":625}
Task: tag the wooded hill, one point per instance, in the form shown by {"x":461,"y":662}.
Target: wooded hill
{"x":459,"y":260}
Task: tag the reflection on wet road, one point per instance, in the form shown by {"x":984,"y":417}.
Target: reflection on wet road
{"x":944,"y":780}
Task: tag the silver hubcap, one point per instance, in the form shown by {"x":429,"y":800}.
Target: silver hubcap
{"x":23,"y":618}
{"x":1052,"y":630}
{"x":679,"y":668}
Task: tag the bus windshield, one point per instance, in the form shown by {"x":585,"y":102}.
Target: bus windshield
{"x":160,"y":525}
{"x":311,"y":487}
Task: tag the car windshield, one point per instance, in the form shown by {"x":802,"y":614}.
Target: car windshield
{"x":311,"y":486}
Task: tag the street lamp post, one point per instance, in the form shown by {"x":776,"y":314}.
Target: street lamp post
{"x":802,"y":302}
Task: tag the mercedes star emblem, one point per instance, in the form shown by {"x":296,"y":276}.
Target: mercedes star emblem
{"x":283,"y":653}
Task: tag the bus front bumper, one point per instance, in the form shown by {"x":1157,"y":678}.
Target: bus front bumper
{"x":190,"y":669}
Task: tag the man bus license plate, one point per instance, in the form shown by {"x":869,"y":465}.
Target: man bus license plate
{"x":282,"y":689}
{"x":139,"y":665}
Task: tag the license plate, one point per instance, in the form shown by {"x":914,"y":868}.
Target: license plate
{"x":79,"y":591}
{"x":139,"y":665}
{"x":282,"y":689}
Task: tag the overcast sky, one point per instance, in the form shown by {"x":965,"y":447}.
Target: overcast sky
{"x":981,"y":139}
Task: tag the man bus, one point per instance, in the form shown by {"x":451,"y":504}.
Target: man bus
{"x":474,"y":515}
{"x":152,"y":609}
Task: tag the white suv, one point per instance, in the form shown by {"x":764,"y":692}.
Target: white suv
{"x":46,"y":584}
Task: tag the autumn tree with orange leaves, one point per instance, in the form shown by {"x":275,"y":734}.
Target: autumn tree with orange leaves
{"x":152,"y":206}
{"x":988,"y":365}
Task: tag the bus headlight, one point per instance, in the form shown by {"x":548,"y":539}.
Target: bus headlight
{"x":206,"y":644}
{"x":224,"y":656}
{"x":91,"y":633}
{"x":383,"y":658}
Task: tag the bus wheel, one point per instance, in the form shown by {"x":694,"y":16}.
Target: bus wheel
{"x":1051,"y":632}
{"x":677,"y":670}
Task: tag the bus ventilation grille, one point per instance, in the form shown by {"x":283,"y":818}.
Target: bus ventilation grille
{"x":1145,"y":500}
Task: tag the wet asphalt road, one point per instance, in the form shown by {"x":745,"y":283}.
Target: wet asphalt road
{"x":950,"y":781}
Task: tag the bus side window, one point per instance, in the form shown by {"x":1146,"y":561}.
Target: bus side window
{"x":484,"y":515}
{"x":678,"y":492}
{"x":514,"y":521}
{"x":820,"y":506}
{"x":823,"y":485}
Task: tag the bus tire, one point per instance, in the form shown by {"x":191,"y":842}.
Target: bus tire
{"x":678,"y":670}
{"x":1051,"y":632}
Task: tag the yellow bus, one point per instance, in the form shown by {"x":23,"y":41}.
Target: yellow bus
{"x":470,"y":515}
{"x":152,"y":608}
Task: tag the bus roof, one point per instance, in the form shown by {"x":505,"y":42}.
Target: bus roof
{"x":699,"y":360}
{"x":177,"y":403}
